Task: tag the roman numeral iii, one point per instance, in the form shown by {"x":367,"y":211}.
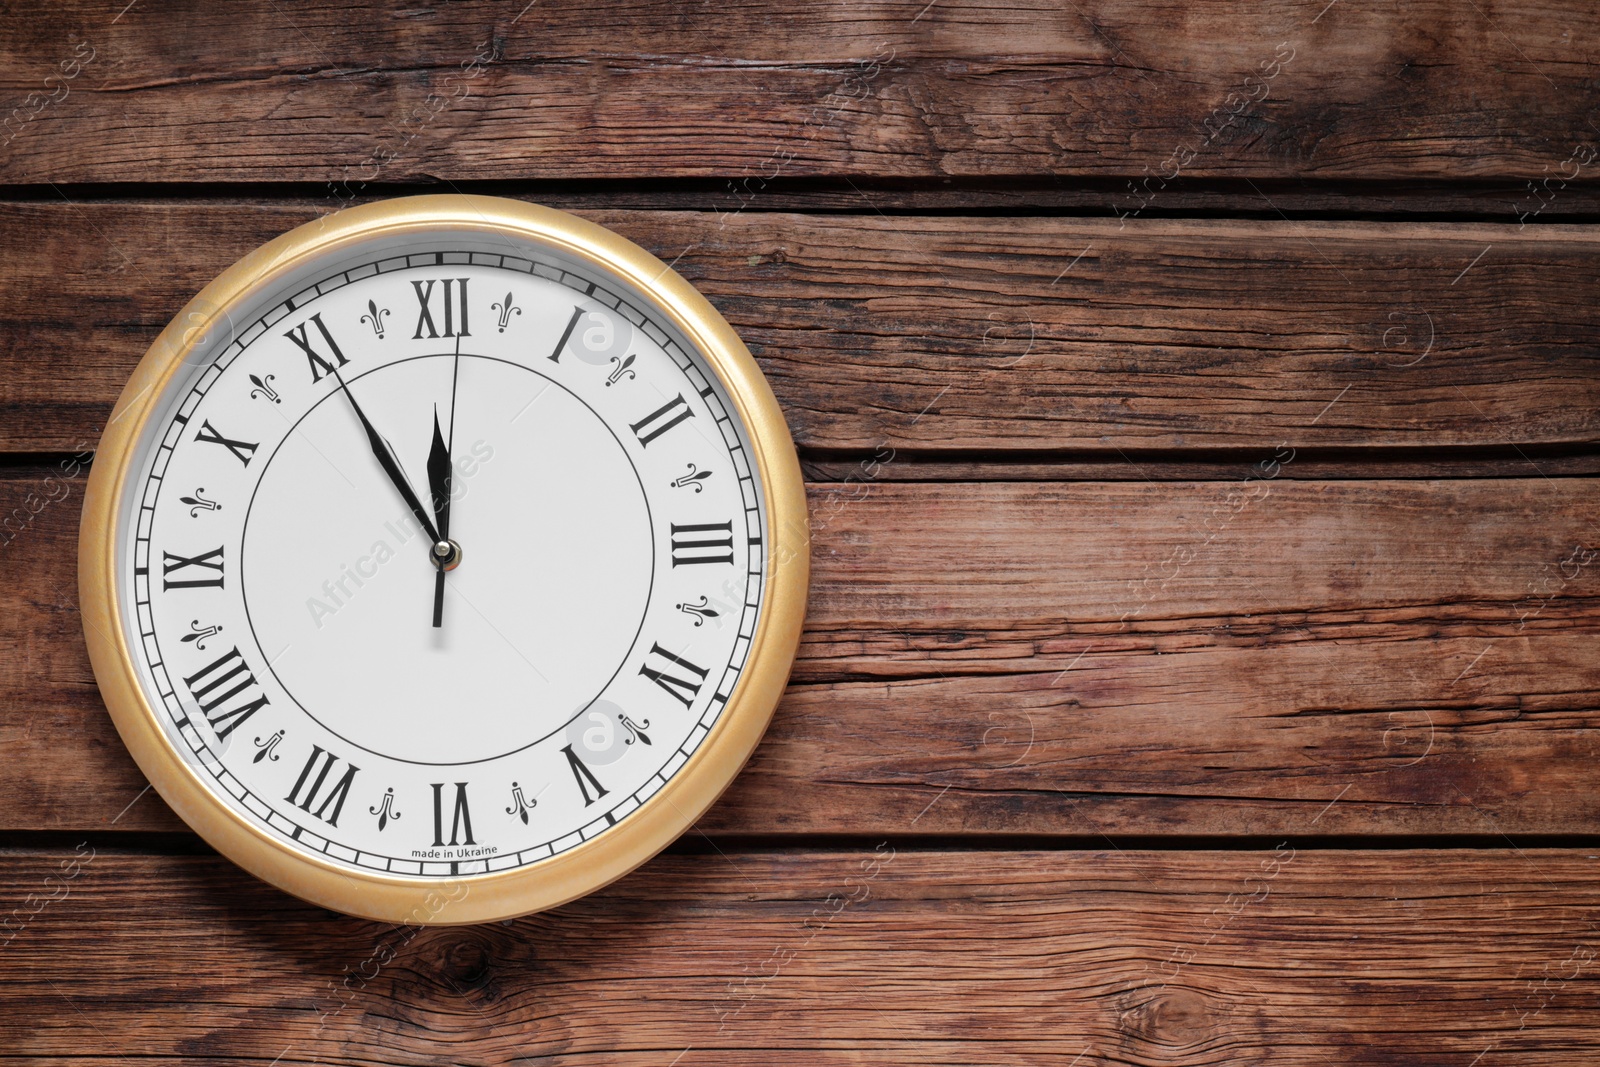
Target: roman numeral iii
{"x":702,"y":542}
{"x":680,"y":689}
{"x":454,"y":307}
{"x":218,"y":682}
{"x":661,"y":419}
{"x":335,"y":794}
{"x":320,"y":367}
{"x":171,"y":561}
{"x":460,"y":818}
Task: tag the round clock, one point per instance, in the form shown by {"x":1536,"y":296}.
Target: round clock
{"x":444,"y":559}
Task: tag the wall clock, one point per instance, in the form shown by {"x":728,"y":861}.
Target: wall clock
{"x":444,"y":559}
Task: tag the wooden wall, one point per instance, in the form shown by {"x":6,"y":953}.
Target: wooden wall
{"x":1200,"y":408}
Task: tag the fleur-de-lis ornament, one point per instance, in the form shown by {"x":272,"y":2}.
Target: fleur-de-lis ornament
{"x":520,"y":804}
{"x":263,"y":387}
{"x":374,"y":318}
{"x":700,"y":611}
{"x":693,"y":479}
{"x":266,"y":748}
{"x":200,"y":635}
{"x":635,"y":730}
{"x":624,"y":369}
{"x":506,"y":310}
{"x":199,"y":503}
{"x":385,"y":810}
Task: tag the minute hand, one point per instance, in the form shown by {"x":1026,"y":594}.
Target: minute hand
{"x":386,"y":460}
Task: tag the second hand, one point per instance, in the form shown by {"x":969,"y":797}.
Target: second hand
{"x":440,"y":478}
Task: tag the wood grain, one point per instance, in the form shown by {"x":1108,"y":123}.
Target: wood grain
{"x":1182,"y":534}
{"x":940,"y":336}
{"x":871,"y":955}
{"x":1129,"y":658}
{"x":753,"y":91}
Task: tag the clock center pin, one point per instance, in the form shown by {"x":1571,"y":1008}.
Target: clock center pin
{"x":447,"y":555}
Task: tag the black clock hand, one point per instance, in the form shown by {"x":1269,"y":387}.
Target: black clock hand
{"x":439,"y":489}
{"x":391,"y":467}
{"x":439,"y":478}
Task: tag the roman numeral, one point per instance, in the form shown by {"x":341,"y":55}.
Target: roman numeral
{"x":172,"y":562}
{"x":661,"y":419}
{"x":334,"y":796}
{"x":584,"y":775}
{"x":681,"y":689}
{"x":460,"y":819}
{"x":223,"y":673}
{"x":320,"y":367}
{"x":242,"y":450}
{"x":698,"y":543}
{"x":566,"y":334}
{"x":454,"y":310}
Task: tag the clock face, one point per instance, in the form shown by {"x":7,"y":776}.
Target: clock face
{"x":442,"y":555}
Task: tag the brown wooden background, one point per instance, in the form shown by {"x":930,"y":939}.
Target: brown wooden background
{"x":1200,"y":404}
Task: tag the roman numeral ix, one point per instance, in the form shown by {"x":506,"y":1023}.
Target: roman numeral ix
{"x":218,"y":682}
{"x":205,"y":561}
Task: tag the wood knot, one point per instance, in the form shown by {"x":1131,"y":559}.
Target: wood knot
{"x":1171,"y":1017}
{"x":460,"y":961}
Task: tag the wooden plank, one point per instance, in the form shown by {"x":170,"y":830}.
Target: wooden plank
{"x":936,"y":336}
{"x":1127,"y":658}
{"x":1285,"y":957}
{"x":1148,"y":91}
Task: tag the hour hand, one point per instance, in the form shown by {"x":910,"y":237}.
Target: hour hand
{"x":439,"y":479}
{"x":439,"y":490}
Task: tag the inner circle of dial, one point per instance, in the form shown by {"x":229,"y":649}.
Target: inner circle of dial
{"x":559,"y":530}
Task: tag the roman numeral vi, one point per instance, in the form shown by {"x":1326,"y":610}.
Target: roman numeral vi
{"x":460,"y":818}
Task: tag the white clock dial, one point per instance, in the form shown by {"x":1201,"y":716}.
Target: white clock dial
{"x":591,"y":487}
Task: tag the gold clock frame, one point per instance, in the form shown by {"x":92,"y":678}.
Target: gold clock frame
{"x":645,"y":831}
